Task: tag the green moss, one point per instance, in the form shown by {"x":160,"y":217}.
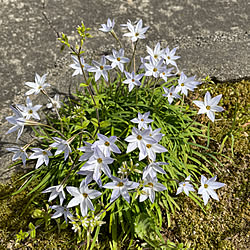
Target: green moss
{"x":12,"y":221}
{"x":225,"y":224}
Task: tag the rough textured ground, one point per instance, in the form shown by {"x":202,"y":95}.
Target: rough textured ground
{"x":212,"y":37}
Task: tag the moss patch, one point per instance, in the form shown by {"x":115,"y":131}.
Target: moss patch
{"x":226,"y":223}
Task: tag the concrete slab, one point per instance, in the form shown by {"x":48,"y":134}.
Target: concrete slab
{"x":212,"y":36}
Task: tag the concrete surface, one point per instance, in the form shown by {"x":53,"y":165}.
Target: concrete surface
{"x":212,"y":36}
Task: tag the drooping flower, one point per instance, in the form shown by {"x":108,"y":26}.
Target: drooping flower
{"x":207,"y":188}
{"x":29,"y":110}
{"x":120,"y":187}
{"x":38,"y":85}
{"x":209,"y":106}
{"x":118,"y":59}
{"x":62,"y":146}
{"x":54,"y":103}
{"x":17,"y":120}
{"x":152,"y":169}
{"x":100,"y":69}
{"x":89,"y":151}
{"x":41,"y":155}
{"x":19,"y":152}
{"x":108,"y":27}
{"x":142,"y":120}
{"x":83,"y":196}
{"x":61,"y":210}
{"x":185,"y":186}
{"x":150,"y":186}
{"x":78,"y":67}
{"x":55,"y":191}
{"x":170,"y":94}
{"x":156,"y":133}
{"x":136,"y":32}
{"x":132,"y":79}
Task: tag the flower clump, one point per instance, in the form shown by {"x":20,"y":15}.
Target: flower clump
{"x":95,"y":170}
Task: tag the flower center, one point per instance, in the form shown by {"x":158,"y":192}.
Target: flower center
{"x":184,"y":185}
{"x":107,"y":143}
{"x":118,"y":59}
{"x":85,"y":195}
{"x":82,"y":65}
{"x":120,"y":184}
{"x":30,"y":111}
{"x":139,"y":137}
{"x":39,"y":87}
{"x":99,"y":160}
{"x":150,"y":184}
{"x":168,"y":58}
{"x":155,"y":69}
{"x":208,"y":107}
{"x":136,"y":34}
{"x":205,"y":186}
{"x":155,"y":56}
{"x":44,"y":153}
{"x":142,"y":120}
{"x":133,"y":80}
{"x":182,"y":85}
{"x":163,"y":73}
{"x":170,"y":93}
{"x":101,"y":67}
{"x":148,"y":145}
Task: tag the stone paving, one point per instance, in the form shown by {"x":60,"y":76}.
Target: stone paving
{"x":212,"y":36}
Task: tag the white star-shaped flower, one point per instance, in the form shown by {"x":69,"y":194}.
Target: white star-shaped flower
{"x":54,"y":103}
{"x":207,"y":188}
{"x":108,"y":27}
{"x":150,"y":186}
{"x":61,"y":210}
{"x":170,"y":94}
{"x":98,"y":163}
{"x":152,"y":169}
{"x":55,"y":191}
{"x":118,"y":59}
{"x":157,"y":53}
{"x":38,"y":85}
{"x":62,"y":146}
{"x":100,"y":69}
{"x":17,"y":120}
{"x":209,"y":106}
{"x":132,"y":79}
{"x":83,"y":196}
{"x":186,"y":83}
{"x":136,"y":32}
{"x":185,"y":186}
{"x":142,"y":120}
{"x":29,"y":110}
{"x":77,"y":66}
{"x":120,"y":187}
{"x":154,"y":67}
{"x":107,"y":145}
{"x":19,"y":152}
{"x":41,"y":155}
{"x":170,"y":56}
{"x":139,"y":139}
